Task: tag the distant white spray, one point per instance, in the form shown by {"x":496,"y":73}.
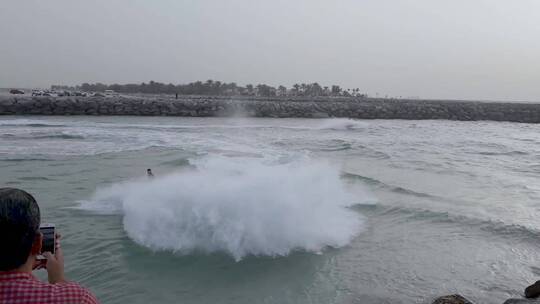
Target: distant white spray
{"x":240,"y":207}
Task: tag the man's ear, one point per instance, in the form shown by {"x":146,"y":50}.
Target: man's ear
{"x":36,"y":245}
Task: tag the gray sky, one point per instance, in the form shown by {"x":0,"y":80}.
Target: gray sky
{"x":468,"y":49}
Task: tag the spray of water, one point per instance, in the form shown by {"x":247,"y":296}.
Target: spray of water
{"x":240,"y":207}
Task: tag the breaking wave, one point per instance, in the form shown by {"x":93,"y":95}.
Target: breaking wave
{"x":380,"y":184}
{"x":493,"y":227}
{"x":29,"y":123}
{"x":42,"y":135}
{"x":238,"y":206}
{"x":342,"y":124}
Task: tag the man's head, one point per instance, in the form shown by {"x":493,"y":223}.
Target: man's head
{"x":148,"y":170}
{"x":19,"y":227}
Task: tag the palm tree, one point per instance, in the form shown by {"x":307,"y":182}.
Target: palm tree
{"x":282,"y":90}
{"x":249,"y":88}
{"x":296,"y":87}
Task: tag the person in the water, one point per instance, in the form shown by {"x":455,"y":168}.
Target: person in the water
{"x":149,"y":173}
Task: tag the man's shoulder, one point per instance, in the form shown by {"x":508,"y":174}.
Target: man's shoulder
{"x":66,"y":292}
{"x":17,"y":286}
{"x":74,"y":291}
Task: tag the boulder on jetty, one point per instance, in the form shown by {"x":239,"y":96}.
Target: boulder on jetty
{"x":521,"y":301}
{"x":299,"y":107}
{"x":452,"y":299}
{"x":533,"y":291}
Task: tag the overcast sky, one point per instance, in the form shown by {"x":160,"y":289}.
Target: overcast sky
{"x":464,"y":49}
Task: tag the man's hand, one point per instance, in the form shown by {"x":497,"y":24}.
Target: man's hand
{"x":55,"y":263}
{"x":39,"y":264}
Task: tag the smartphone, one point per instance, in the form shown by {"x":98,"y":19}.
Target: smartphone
{"x":49,"y":236}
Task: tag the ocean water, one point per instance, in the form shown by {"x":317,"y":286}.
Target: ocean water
{"x":284,"y":210}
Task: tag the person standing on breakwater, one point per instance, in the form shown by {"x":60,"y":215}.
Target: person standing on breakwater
{"x":21,"y":244}
{"x":149,"y":173}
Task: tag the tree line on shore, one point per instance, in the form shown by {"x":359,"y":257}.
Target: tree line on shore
{"x":218,"y":88}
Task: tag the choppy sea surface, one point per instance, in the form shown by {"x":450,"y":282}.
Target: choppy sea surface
{"x":284,"y":210}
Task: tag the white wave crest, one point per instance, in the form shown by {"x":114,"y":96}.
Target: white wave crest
{"x":237,"y":207}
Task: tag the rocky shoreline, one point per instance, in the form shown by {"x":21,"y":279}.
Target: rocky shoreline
{"x":458,"y":299}
{"x":531,"y":293}
{"x":323,"y":107}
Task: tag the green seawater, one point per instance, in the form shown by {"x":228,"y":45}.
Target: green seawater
{"x":441,"y":207}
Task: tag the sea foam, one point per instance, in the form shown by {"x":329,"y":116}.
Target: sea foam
{"x":239,"y":207}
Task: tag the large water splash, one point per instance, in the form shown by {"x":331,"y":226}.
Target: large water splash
{"x":240,"y":207}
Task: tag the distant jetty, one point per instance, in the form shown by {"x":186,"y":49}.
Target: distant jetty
{"x":304,"y":107}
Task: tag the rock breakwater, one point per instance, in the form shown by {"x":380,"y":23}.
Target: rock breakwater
{"x":203,"y":106}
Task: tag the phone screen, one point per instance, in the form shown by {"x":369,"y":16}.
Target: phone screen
{"x":48,"y":239}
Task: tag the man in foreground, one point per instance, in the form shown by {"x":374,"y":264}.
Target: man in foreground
{"x":21,"y":244}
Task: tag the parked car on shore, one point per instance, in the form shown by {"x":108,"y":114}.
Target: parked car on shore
{"x":63,"y":93}
{"x":110,"y":93}
{"x":44,"y":93}
{"x":16,"y":91}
